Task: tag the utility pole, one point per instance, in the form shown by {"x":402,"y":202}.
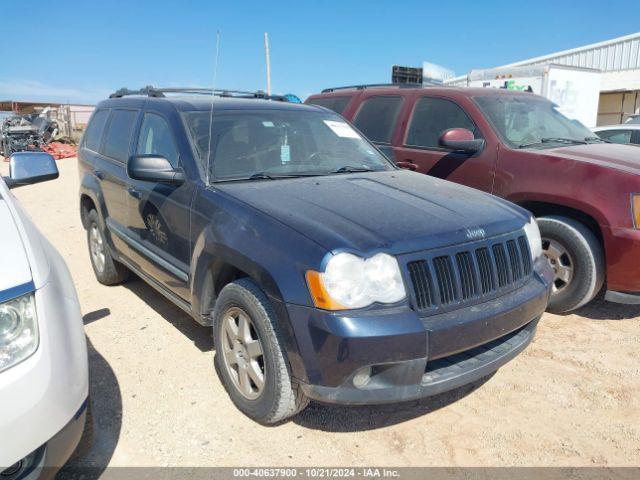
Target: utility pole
{"x":266,"y":53}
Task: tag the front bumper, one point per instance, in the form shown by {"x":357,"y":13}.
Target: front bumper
{"x":42,"y":394}
{"x":409,"y":357}
{"x":44,"y":462}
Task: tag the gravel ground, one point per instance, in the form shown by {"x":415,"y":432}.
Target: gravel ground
{"x":571,"y":399}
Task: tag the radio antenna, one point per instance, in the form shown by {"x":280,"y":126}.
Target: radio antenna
{"x":213,"y":91}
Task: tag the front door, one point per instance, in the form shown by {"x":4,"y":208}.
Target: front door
{"x":421,"y":152}
{"x":158,"y":213}
{"x":110,"y":170}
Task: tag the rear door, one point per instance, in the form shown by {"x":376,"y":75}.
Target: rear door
{"x":158,"y":220}
{"x":377,"y":118}
{"x":110,"y":170}
{"x":419,"y":149}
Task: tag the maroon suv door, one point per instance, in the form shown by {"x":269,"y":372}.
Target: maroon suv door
{"x":418,"y":147}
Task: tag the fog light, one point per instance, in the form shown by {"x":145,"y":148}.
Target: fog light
{"x":362,"y":377}
{"x":12,"y":470}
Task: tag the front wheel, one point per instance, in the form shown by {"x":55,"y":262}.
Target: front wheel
{"x":577,"y":259}
{"x":249,"y":356}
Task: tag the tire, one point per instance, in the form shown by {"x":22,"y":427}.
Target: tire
{"x":107,"y":270}
{"x":582,"y":254}
{"x":280,"y":396}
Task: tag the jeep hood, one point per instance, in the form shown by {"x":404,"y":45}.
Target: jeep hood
{"x":608,"y":155}
{"x":398,"y":211}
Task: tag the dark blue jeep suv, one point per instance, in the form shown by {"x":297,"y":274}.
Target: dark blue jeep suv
{"x":326,"y":272}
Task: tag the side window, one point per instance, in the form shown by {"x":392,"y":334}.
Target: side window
{"x":156,"y":138}
{"x":93,"y":134}
{"x":337,"y":104}
{"x":377,"y":117}
{"x":616,"y":136}
{"x":432,"y":116}
{"x":118,"y":137}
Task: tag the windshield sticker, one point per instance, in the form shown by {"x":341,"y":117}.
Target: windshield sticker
{"x":341,"y":129}
{"x":267,"y":124}
{"x":285,"y":154}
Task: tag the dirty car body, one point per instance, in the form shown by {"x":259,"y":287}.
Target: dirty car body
{"x":280,"y":215}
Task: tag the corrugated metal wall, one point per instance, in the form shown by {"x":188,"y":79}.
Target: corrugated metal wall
{"x":615,"y":55}
{"x":610,"y":56}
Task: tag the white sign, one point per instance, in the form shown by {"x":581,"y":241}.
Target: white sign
{"x":341,"y":129}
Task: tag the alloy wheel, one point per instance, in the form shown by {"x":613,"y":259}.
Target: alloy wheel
{"x":96,"y":247}
{"x":243,"y":353}
{"x":561,"y":262}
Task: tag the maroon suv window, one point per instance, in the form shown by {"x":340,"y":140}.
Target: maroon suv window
{"x":432,"y":116}
{"x":377,"y":117}
{"x":337,"y":104}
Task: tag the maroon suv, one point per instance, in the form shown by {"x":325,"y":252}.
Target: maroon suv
{"x":584,"y":191}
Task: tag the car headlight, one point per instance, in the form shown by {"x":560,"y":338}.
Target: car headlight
{"x":532,"y":232}
{"x":18,"y":330}
{"x":350,"y":281}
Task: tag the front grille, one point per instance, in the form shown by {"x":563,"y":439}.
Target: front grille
{"x":457,"y":277}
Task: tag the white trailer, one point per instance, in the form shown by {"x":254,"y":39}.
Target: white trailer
{"x":575,"y":90}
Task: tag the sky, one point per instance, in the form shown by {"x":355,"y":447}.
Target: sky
{"x":80,"y":51}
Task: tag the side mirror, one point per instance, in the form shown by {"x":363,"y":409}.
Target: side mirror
{"x":154,"y":168}
{"x":461,"y":139}
{"x":27,"y":168}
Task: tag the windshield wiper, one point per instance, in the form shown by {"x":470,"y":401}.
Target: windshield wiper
{"x":596,"y":139}
{"x":351,"y":169}
{"x":267,"y":176}
{"x":569,"y":141}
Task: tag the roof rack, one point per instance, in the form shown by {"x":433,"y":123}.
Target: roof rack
{"x":150,"y":91}
{"x":373,"y":85}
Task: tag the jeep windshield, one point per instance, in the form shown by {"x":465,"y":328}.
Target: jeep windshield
{"x":275,"y":144}
{"x":532,"y":122}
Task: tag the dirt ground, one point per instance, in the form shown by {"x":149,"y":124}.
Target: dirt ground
{"x":571,"y":399}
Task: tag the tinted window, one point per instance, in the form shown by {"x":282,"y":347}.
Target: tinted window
{"x":156,"y":138}
{"x":118,"y":137}
{"x":337,"y":104}
{"x":279,"y":143}
{"x":94,"y":130}
{"x":377,"y":117}
{"x":616,"y":136}
{"x":431,"y":117}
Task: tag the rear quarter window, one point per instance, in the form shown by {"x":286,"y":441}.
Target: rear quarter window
{"x":93,"y":134}
{"x":377,"y":117}
{"x":337,"y":104}
{"x":118,"y":137}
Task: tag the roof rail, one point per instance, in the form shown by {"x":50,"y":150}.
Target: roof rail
{"x":373,"y":85}
{"x":150,"y":91}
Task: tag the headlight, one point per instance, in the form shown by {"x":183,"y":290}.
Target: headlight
{"x":18,"y":330}
{"x":353,"y":282}
{"x":533,"y":236}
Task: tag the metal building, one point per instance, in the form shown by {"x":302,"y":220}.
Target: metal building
{"x":619,"y":61}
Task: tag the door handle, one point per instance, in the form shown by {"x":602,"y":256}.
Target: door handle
{"x":99,"y":174}
{"x":408,"y":164}
{"x":135,"y":193}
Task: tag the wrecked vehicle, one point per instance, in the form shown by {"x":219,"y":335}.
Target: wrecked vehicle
{"x":32,"y":132}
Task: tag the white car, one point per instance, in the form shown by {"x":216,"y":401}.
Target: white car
{"x":43,"y":352}
{"x":628,"y":132}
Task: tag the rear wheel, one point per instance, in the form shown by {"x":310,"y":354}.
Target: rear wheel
{"x":107,"y":270}
{"x":577,"y":260}
{"x":249,"y":357}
